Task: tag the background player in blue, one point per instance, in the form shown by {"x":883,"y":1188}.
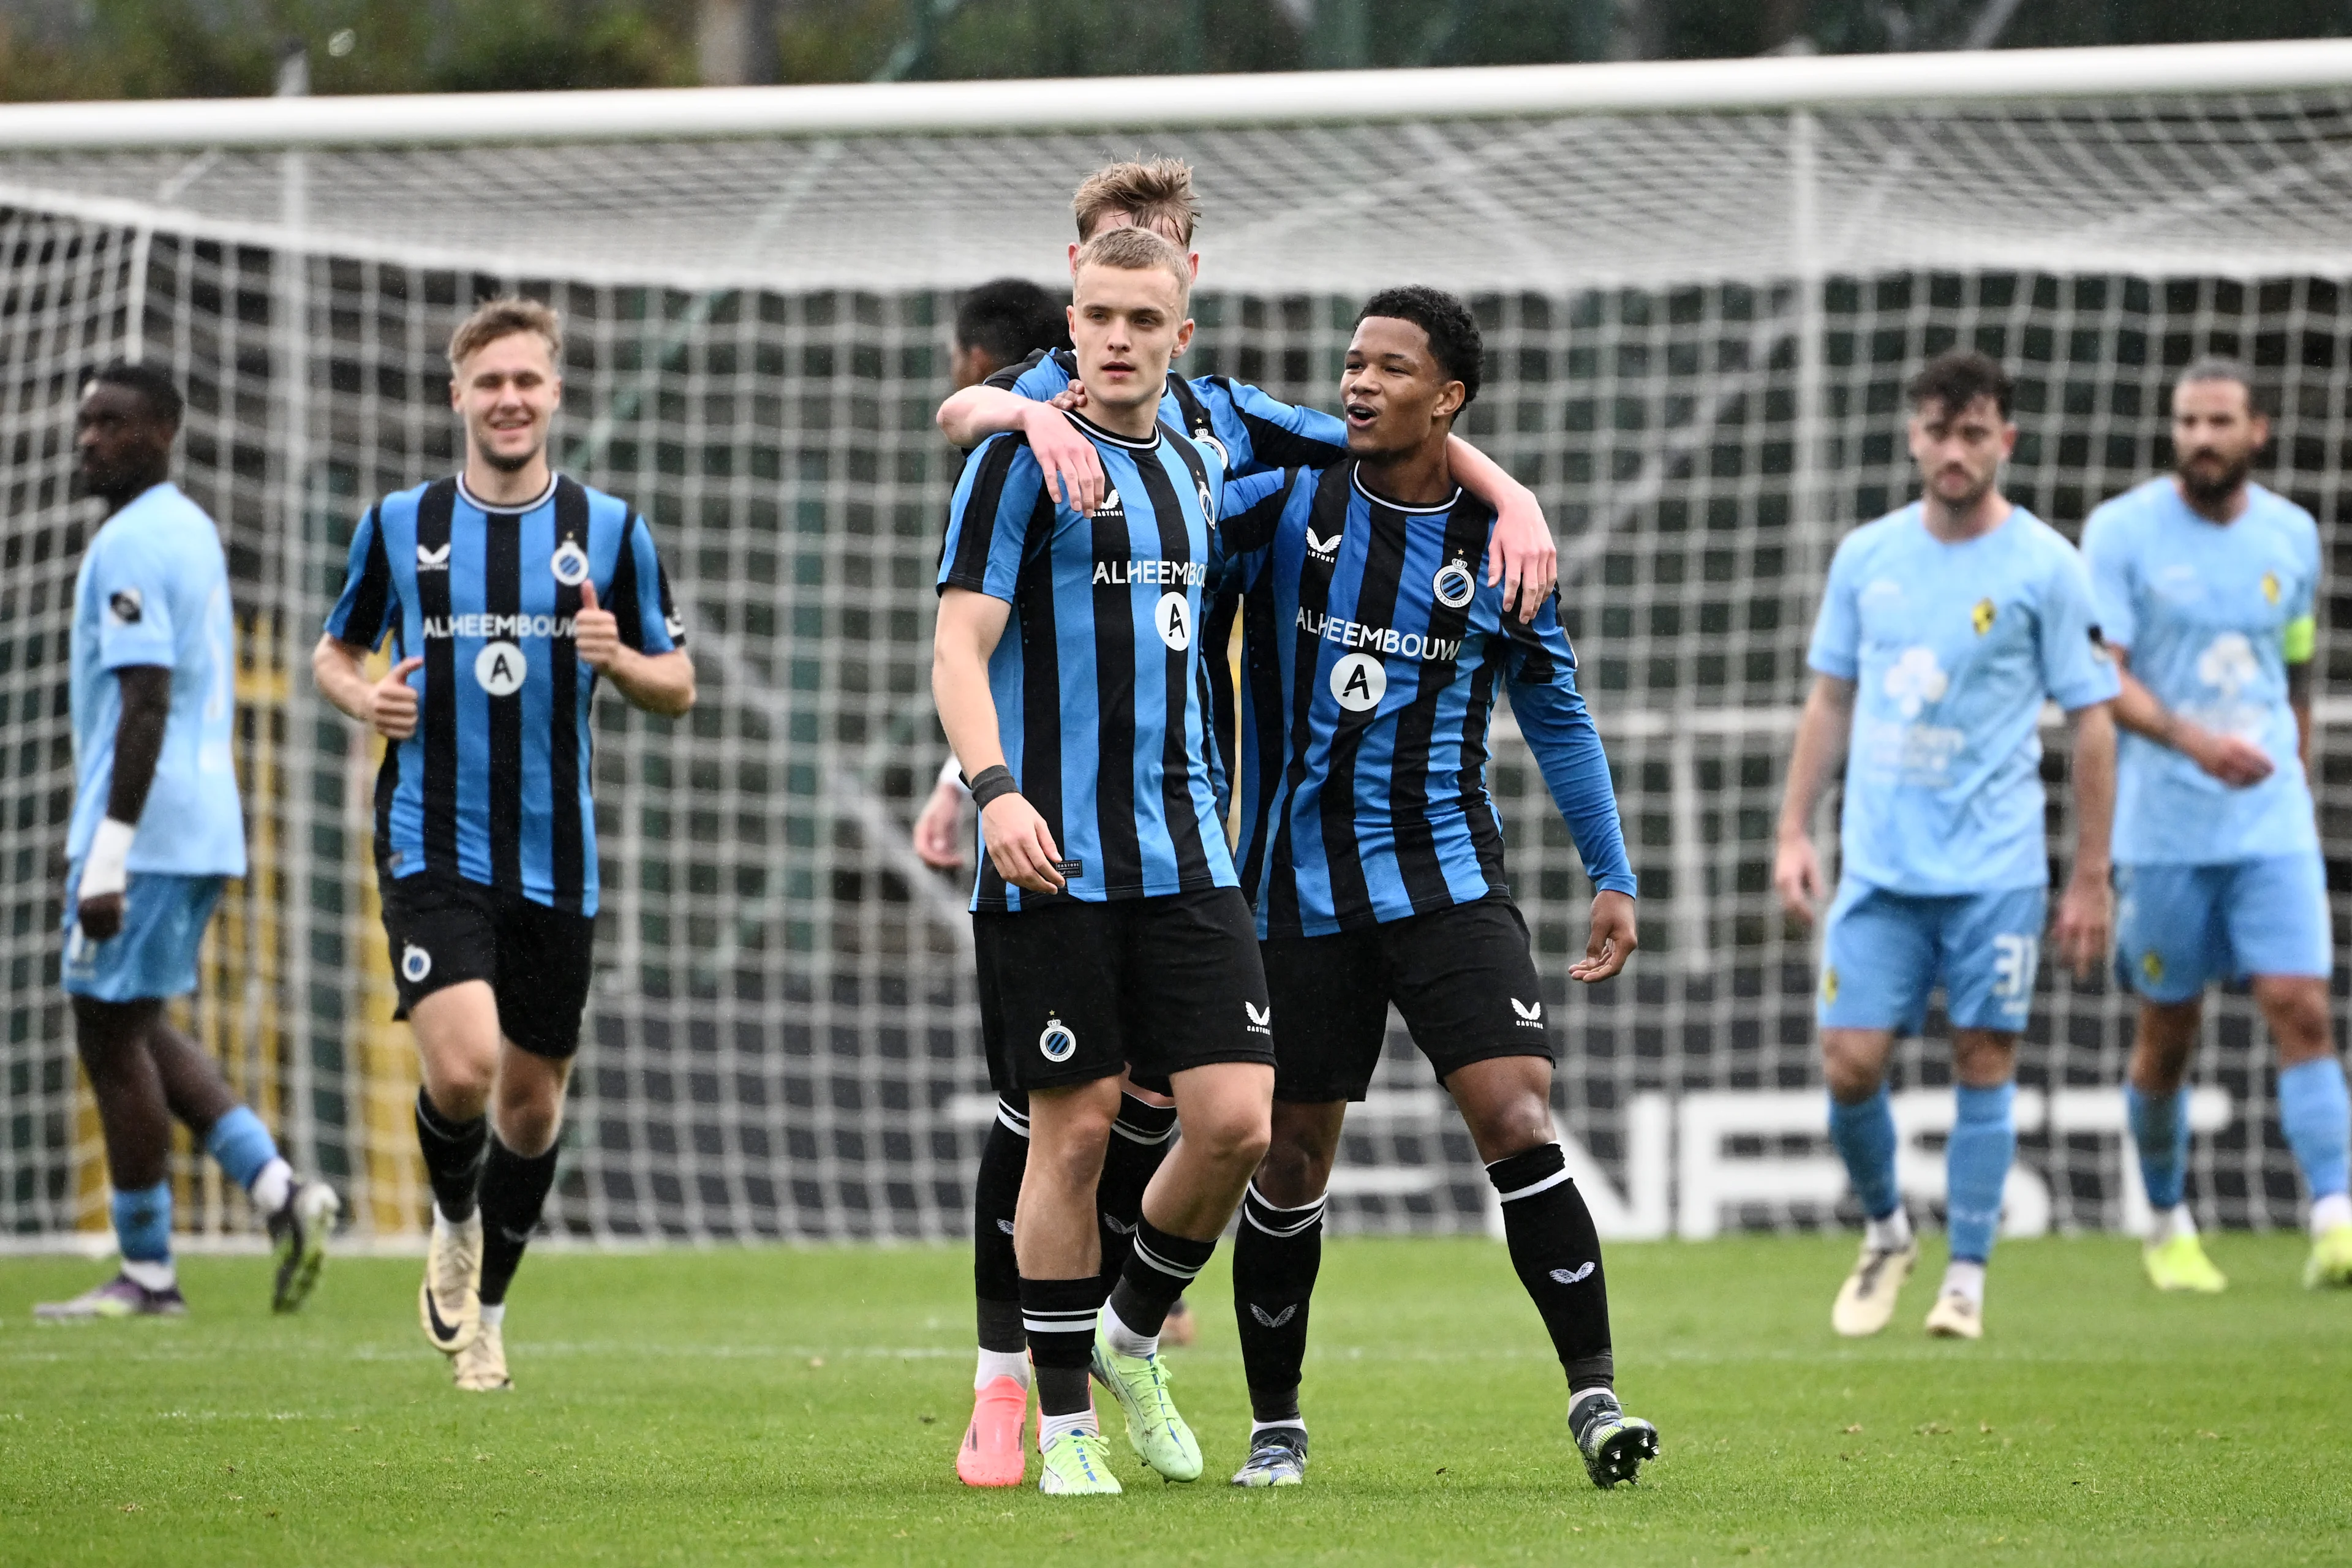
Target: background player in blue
{"x":2205,"y":584}
{"x":156,"y":830}
{"x":1375,"y":857}
{"x":494,"y":587}
{"x":1252,"y":432}
{"x":1943,"y":627}
{"x":1109,"y":928}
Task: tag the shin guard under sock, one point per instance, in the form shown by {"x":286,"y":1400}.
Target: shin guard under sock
{"x":453,"y":1158}
{"x":996,"y":1195}
{"x":1276,"y":1255}
{"x":514,"y":1191}
{"x":1557,"y":1253}
{"x":1059,"y":1316}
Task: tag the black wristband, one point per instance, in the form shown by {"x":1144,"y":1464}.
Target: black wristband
{"x":992,"y":782}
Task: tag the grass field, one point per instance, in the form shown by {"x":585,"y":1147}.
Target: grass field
{"x":802,"y":1406}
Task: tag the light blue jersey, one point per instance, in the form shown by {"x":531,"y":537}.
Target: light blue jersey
{"x":153,"y":590}
{"x":1952,"y":649}
{"x":2204,"y":610}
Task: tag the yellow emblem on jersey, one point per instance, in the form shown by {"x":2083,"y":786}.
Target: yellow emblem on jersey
{"x":1981,"y":616}
{"x":2151,"y":964}
{"x":1829,"y":983}
{"x":2271,"y":586}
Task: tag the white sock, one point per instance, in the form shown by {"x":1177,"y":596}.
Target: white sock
{"x":2328,"y":1213}
{"x":2170,"y":1223}
{"x":1124,"y":1339}
{"x":1892,"y":1234}
{"x":1052,"y":1426}
{"x":447,"y":1229}
{"x":493,"y":1316}
{"x":1582,"y":1395}
{"x":994,"y":1364}
{"x":273,"y":1186}
{"x":1297,"y":1426}
{"x":1965,"y":1280}
{"x":152,"y":1276}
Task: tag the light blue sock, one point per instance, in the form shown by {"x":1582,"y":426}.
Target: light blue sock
{"x":2316,"y":1116}
{"x":2159,"y":1127}
{"x":1976,"y":1163}
{"x":1865,"y":1136}
{"x":142,"y":1223}
{"x":241,"y":1144}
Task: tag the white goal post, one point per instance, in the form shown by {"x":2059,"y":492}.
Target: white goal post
{"x":1702,"y":285}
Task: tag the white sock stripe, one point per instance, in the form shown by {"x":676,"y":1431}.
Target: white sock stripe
{"x":1173,"y":1270}
{"x":1260,"y":1199}
{"x":1056,"y":1325}
{"x":1280,"y":1233}
{"x":1138,"y":1135}
{"x":1555,"y":1179}
{"x":1012,"y":1121}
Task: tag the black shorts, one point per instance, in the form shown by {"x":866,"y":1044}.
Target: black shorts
{"x":1463,"y":977}
{"x":537,"y":962}
{"x":1073,"y":991}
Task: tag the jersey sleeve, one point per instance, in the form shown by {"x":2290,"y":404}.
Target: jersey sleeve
{"x":2299,"y":638}
{"x":1559,"y":731}
{"x":1040,"y":378}
{"x":134,"y":605}
{"x":2075,"y":669}
{"x":1836,"y":649}
{"x":988,"y":519}
{"x":647,"y":620}
{"x":2106,"y":553}
{"x":364,"y":608}
{"x":1261,"y":435}
{"x":1252,"y":512}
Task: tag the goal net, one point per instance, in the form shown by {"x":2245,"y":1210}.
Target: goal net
{"x":1701,"y":288}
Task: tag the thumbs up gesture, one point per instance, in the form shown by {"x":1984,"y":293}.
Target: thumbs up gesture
{"x":595,"y":633}
{"x":392,"y":701}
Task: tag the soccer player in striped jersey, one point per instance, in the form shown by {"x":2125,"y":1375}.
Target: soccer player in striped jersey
{"x":2206,"y":583}
{"x":156,"y":832}
{"x":1373,"y":643}
{"x":1109,"y":927}
{"x":508,"y":592}
{"x":1944,"y":628}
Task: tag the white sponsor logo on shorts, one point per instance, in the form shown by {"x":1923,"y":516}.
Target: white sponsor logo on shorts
{"x":1530,"y":1012}
{"x":1056,"y":1042}
{"x":415,"y":963}
{"x":1261,"y":1019}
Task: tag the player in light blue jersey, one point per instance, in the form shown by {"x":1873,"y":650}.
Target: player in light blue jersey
{"x":1943,"y":630}
{"x":2205,"y":584}
{"x":156,"y":830}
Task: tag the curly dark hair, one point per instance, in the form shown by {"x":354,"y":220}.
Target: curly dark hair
{"x":162,"y":397}
{"x":1956,"y":378}
{"x":1454,"y":339}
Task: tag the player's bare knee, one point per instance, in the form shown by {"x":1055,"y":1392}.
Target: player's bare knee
{"x":1853,"y":1076}
{"x":2297,"y":1013}
{"x":1983,"y":1060}
{"x":1509,"y":1127}
{"x":1302,"y":1145}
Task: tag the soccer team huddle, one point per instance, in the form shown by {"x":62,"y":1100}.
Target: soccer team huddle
{"x":1176,"y":1014}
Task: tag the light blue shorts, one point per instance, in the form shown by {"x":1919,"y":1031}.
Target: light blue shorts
{"x":154,"y":953}
{"x":2180,"y":927}
{"x":1886,"y":951}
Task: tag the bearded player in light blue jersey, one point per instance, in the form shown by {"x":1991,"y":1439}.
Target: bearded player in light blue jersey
{"x":2205,"y":583}
{"x":1943,"y":630}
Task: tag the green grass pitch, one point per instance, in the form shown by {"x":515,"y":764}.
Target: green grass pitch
{"x":780,"y":1406}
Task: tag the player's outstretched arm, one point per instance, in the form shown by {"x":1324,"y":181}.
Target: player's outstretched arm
{"x":2232,"y":759}
{"x":2086,"y":914}
{"x":1524,"y":559}
{"x":146,"y":690}
{"x":1073,"y":467}
{"x":658,"y":682}
{"x":1822,"y":733}
{"x":1019,"y":843}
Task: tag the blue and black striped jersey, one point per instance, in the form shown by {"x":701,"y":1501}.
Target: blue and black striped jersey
{"x":496,"y":783}
{"x":1250,"y":432}
{"x":1371,"y":647}
{"x":1099,"y":697}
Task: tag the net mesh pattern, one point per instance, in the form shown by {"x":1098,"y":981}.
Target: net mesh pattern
{"x":1697,"y":330}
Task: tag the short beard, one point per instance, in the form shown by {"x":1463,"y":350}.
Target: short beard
{"x":507,"y":465}
{"x":1967,"y":503}
{"x":2213,"y":492}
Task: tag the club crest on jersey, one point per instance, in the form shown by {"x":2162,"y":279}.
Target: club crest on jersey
{"x":1325,"y":549}
{"x":429,"y":559}
{"x":124,"y":606}
{"x":499,"y":669}
{"x":1208,"y":503}
{"x":1982,"y":617}
{"x":570,"y":563}
{"x":1455,"y":583}
{"x":415,"y":963}
{"x":675,"y":624}
{"x":1056,"y":1042}
{"x":1359,"y":681}
{"x":1208,"y":440}
{"x":1110,"y":504}
{"x":1829,"y":983}
{"x":2271,"y":586}
{"x":1172,"y":618}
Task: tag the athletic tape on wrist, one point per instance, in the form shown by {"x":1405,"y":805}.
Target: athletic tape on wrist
{"x":104,"y":870}
{"x":990,"y":784}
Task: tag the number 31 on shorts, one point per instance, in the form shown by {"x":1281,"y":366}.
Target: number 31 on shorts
{"x":2014,"y":960}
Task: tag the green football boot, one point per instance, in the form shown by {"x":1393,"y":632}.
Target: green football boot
{"x":2330,"y":1266}
{"x":1077,"y":1464}
{"x":2178,"y":1263}
{"x":1614,"y":1445}
{"x":1158,"y":1433}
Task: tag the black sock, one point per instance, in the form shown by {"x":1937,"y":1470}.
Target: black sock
{"x":453,"y":1158}
{"x":514,"y":1189}
{"x":995,"y":1274}
{"x":1277,"y":1253}
{"x":1557,"y":1255}
{"x":1156,"y":1274}
{"x":1060,"y":1318}
{"x":1139,"y":1140}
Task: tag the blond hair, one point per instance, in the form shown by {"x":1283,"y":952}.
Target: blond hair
{"x":1151,"y":194}
{"x":1136,"y":250}
{"x":502,"y":318}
